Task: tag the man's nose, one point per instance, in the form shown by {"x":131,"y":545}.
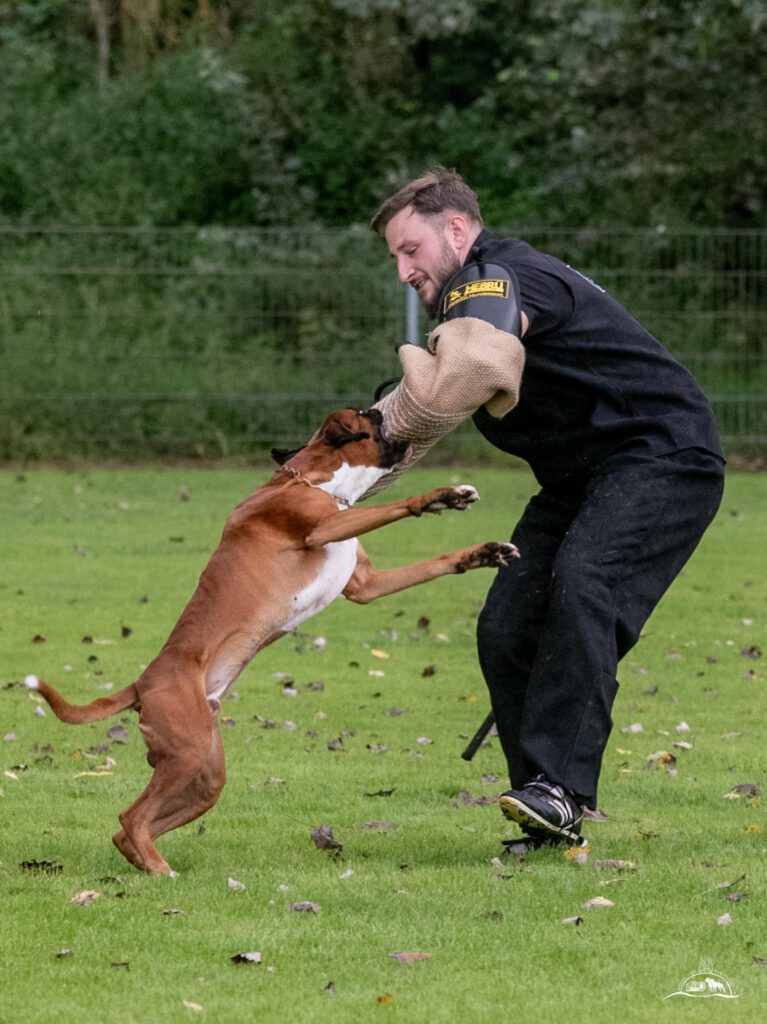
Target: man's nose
{"x":404,"y":269}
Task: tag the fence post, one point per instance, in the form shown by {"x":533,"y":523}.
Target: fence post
{"x":412,"y":315}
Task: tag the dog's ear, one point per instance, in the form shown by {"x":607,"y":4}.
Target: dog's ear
{"x":338,"y":434}
{"x":281,"y":455}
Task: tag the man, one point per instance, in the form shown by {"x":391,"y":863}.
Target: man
{"x":624,"y":447}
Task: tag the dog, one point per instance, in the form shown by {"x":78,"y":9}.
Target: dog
{"x":286,"y":552}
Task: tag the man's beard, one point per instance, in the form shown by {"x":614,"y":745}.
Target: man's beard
{"x":449,"y":264}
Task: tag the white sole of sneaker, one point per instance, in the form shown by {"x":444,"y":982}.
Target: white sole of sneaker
{"x":526,"y":817}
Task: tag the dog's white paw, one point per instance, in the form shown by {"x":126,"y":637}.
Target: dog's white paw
{"x":31,"y":683}
{"x":468,"y":493}
{"x":456,"y":498}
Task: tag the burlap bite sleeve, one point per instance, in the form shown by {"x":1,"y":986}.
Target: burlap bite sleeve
{"x":467,"y":364}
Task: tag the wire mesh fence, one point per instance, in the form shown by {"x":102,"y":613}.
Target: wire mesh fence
{"x":136,"y":343}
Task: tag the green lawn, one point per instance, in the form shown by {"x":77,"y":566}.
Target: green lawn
{"x":112,"y":557}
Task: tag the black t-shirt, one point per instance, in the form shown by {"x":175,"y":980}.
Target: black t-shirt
{"x":595,"y":380}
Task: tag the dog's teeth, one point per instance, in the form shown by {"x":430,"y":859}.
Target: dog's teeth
{"x":31,"y":683}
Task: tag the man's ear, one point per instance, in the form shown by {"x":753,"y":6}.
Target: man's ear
{"x":458,"y":229}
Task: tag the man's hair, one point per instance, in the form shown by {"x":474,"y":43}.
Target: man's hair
{"x":437,"y":190}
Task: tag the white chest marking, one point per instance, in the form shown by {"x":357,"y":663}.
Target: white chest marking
{"x":348,"y":483}
{"x":339,"y":564}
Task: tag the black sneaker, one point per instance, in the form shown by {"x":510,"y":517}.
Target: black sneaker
{"x":543,"y":809}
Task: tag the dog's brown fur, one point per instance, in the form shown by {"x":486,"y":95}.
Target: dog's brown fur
{"x":286,"y":551}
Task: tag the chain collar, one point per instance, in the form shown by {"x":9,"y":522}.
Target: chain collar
{"x":302,"y":480}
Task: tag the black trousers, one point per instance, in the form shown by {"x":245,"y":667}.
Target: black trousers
{"x":597,"y":556}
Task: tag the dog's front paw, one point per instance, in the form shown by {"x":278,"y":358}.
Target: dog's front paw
{"x":492,"y":555}
{"x":457,"y":498}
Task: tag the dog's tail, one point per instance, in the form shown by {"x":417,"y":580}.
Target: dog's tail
{"x":77,"y":714}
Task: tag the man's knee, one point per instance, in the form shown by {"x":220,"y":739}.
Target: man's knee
{"x":504,"y":642}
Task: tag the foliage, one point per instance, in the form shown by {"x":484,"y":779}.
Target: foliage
{"x":292,"y":111}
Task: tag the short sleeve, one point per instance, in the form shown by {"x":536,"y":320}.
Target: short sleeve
{"x":545,"y":298}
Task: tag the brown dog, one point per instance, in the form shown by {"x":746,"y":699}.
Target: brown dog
{"x":286,"y":552}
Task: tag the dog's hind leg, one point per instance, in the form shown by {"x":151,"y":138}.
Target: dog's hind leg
{"x":200,"y":795}
{"x":187,"y":755}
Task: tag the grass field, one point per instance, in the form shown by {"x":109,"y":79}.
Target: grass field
{"x":97,"y":565}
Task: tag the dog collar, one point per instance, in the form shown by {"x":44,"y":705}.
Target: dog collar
{"x":302,"y":480}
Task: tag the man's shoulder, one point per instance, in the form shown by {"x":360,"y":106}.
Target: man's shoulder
{"x":507,"y":249}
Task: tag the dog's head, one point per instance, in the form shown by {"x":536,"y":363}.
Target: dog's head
{"x":360,"y":451}
{"x":361,"y":436}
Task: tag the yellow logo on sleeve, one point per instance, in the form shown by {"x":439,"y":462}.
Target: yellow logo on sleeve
{"x":493,"y":288}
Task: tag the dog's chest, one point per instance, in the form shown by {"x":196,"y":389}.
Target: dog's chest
{"x":335,"y":572}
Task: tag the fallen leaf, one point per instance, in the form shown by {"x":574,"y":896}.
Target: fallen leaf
{"x":330,"y":988}
{"x":48,"y":867}
{"x":747,"y":788}
{"x":323,"y":839}
{"x":383,"y":655}
{"x":409,"y":958}
{"x":663,"y":758}
{"x":246,"y":958}
{"x":724,"y":919}
{"x":346,"y":874}
{"x":382,"y":792}
{"x":192,"y":1006}
{"x":122,"y":965}
{"x":84,"y":898}
{"x":683,"y":727}
{"x":615,"y":865}
{"x":429,"y":671}
{"x":577,"y":854}
{"x":174,"y":912}
{"x":63,"y":954}
{"x":373,"y":825}
{"x":386,"y":999}
{"x":572,"y":920}
{"x":751,"y":652}
{"x":634,"y":727}
{"x":466,"y":799}
{"x":235,"y":885}
{"x":594,"y":814}
{"x":598,"y":901}
{"x":424,"y":741}
{"x":306,"y":907}
{"x":735,"y":897}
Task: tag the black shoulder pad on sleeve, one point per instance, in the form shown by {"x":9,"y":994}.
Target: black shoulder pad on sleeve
{"x":488,"y":291}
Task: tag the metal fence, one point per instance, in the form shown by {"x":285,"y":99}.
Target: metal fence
{"x":207,"y":342}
